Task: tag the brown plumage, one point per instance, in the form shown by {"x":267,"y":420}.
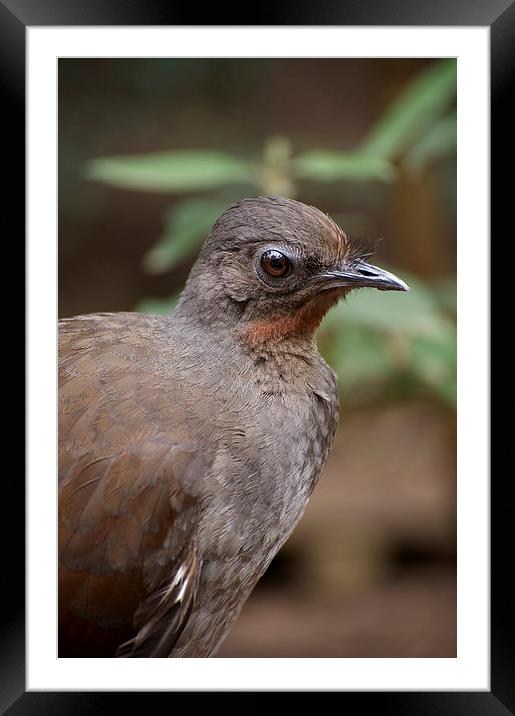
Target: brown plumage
{"x":189,"y":444}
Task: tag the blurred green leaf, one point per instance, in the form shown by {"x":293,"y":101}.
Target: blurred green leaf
{"x":327,"y":165}
{"x":358,"y":357}
{"x":186,"y":225}
{"x":415,"y":313}
{"x":159,"y":306}
{"x":413,"y":112}
{"x":437,"y":142}
{"x":375,"y":337}
{"x":178,"y":171}
{"x":445,"y":292}
{"x":434,"y":362}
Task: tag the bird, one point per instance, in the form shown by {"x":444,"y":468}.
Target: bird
{"x":190,"y":444}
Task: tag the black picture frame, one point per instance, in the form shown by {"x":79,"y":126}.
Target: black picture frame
{"x":15,"y":17}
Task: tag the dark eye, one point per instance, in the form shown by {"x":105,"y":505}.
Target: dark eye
{"x":275,"y":264}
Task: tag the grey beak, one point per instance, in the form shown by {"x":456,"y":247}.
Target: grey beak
{"x":361,"y":274}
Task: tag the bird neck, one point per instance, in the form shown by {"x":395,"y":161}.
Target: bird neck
{"x":283,"y":346}
{"x":280,"y":329}
{"x":284,"y":329}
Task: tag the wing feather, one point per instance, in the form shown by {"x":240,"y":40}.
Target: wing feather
{"x":128,"y":503}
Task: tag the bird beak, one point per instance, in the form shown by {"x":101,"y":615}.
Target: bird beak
{"x":360,"y":275}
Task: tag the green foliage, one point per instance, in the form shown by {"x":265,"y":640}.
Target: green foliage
{"x":327,"y":165}
{"x":416,"y":312}
{"x":413,"y":121}
{"x":437,"y":142}
{"x":414,"y":112}
{"x":374,"y":339}
{"x":179,"y":171}
{"x":186,"y":226}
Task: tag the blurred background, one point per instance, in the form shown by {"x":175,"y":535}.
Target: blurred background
{"x":151,"y":151}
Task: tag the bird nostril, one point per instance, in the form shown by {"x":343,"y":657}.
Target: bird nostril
{"x":366,"y":272}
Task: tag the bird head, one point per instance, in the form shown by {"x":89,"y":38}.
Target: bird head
{"x":277,"y":266}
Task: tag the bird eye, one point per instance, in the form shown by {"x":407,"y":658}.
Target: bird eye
{"x":275,"y":264}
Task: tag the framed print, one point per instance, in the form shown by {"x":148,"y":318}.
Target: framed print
{"x":141,"y":129}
